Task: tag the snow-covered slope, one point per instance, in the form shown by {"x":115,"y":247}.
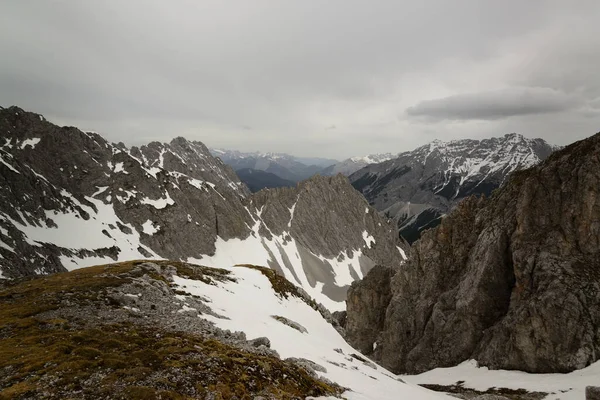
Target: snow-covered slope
{"x":569,"y":386}
{"x":418,"y":187}
{"x":69,"y":199}
{"x":353,"y":164}
{"x":249,"y":304}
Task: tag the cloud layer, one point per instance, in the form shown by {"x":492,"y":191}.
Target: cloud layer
{"x":495,"y":105}
{"x":145,"y":70}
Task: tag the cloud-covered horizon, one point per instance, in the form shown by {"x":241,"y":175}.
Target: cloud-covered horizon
{"x":332,"y":79}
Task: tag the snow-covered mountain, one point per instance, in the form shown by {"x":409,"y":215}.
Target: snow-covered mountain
{"x":353,"y":164}
{"x":70,"y":199}
{"x":285,"y":166}
{"x":418,"y":187}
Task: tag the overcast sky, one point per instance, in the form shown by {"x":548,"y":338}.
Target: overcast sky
{"x":308,"y":77}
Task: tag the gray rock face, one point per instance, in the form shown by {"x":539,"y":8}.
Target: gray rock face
{"x":592,"y":393}
{"x":512,"y":281}
{"x":70,"y":199}
{"x":367,"y":304}
{"x":418,"y":187}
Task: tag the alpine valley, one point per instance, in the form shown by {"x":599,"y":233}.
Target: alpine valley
{"x":154,"y":272}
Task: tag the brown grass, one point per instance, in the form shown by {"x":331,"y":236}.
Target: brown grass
{"x":43,"y":358}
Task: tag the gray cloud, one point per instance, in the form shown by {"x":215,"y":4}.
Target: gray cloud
{"x":496,"y":104}
{"x":151,"y":70}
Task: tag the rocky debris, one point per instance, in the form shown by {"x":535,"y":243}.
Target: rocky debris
{"x":459,"y":391}
{"x":592,"y":393}
{"x":290,"y":323}
{"x":261,"y":341}
{"x":418,"y":187}
{"x":307,"y":364}
{"x":512,"y":281}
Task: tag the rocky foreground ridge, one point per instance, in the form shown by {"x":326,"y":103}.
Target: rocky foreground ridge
{"x":512,"y":281}
{"x":128,"y":331}
{"x":70,"y":199}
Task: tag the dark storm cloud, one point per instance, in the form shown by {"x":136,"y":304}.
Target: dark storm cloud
{"x":140,"y":70}
{"x":495,"y":104}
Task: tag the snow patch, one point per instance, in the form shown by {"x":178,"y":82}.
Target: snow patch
{"x":149,"y":229}
{"x":75,"y":233}
{"x":159,"y":204}
{"x":7,"y":164}
{"x":101,"y":189}
{"x":30,"y":142}
{"x":569,"y":386}
{"x":119,"y":168}
{"x":369,"y":239}
{"x":402,"y":253}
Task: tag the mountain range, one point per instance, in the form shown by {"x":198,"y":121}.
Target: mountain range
{"x":70,"y":199}
{"x":256,"y":179}
{"x":414,"y":188}
{"x":283,"y":165}
{"x":353,"y":164}
{"x":417,"y":188}
{"x":155,"y":272}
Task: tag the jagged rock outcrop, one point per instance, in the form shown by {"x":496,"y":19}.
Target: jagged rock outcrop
{"x":512,"y":281}
{"x":418,"y":187}
{"x":368,"y":300}
{"x":70,"y":199}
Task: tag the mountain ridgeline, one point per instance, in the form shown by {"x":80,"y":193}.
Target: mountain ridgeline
{"x":256,"y":179}
{"x":70,"y":199}
{"x":418,"y":187}
{"x":285,"y":166}
{"x":512,"y":281}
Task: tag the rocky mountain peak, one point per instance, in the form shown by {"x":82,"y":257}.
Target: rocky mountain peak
{"x":418,"y":187}
{"x":511,"y":281}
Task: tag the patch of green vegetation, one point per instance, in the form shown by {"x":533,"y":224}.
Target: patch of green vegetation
{"x":43,"y":358}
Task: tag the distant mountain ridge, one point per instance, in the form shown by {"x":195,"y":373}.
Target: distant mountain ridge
{"x":418,"y":187}
{"x":283,"y":165}
{"x":256,"y":179}
{"x":353,"y":164}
